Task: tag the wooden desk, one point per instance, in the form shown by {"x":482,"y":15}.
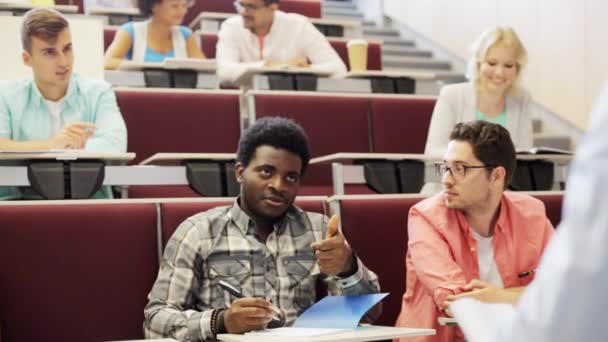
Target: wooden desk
{"x":116,"y":16}
{"x":344,"y":173}
{"x":363,"y":333}
{"x":50,"y":174}
{"x":196,"y":73}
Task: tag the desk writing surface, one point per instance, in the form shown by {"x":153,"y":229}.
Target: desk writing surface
{"x":344,"y":157}
{"x":392,"y":74}
{"x":177,"y":157}
{"x":557,"y":158}
{"x":171,"y":64}
{"x":114,"y":11}
{"x":12,"y":158}
{"x":363,"y":333}
{"x":27,"y":6}
{"x":65,"y":155}
{"x":248,"y":73}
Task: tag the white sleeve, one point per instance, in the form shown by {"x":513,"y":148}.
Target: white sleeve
{"x":320,"y":53}
{"x":442,"y":122}
{"x":566,"y":301}
{"x":525,"y":130}
{"x":229,"y":65}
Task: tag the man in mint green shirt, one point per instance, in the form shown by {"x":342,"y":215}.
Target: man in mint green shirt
{"x":56,"y":109}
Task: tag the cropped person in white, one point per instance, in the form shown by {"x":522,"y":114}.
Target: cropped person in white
{"x":493,"y":93}
{"x":566,"y":301}
{"x":264,"y":36}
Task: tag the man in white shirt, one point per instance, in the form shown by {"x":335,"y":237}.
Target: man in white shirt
{"x":264,"y":36}
{"x":566,"y":301}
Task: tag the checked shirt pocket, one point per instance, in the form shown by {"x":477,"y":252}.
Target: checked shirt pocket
{"x":302,"y":271}
{"x":236,"y":270}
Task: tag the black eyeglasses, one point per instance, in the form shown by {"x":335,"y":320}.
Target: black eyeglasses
{"x":457,"y":171}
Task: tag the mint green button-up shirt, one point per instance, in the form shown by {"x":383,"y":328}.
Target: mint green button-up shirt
{"x":24,"y":115}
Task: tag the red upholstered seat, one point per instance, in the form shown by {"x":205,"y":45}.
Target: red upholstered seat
{"x":180,"y":121}
{"x":333,"y":124}
{"x":400,"y":124}
{"x":309,"y":8}
{"x":108,"y":37}
{"x":553,"y":206}
{"x":374,"y":53}
{"x":377,"y":231}
{"x":208,"y":44}
{"x":76,"y":272}
{"x":173,"y":214}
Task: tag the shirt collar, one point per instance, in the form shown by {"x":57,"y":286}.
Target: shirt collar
{"x":37,"y":100}
{"x":244,"y":222}
{"x":501,"y":223}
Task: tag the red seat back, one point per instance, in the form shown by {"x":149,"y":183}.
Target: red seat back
{"x":76,"y":272}
{"x":309,"y":8}
{"x":553,"y":206}
{"x":180,"y":121}
{"x":400,"y":124}
{"x":333,"y":124}
{"x":108,"y":37}
{"x":376,"y":229}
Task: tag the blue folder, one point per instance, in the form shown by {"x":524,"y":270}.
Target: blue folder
{"x":338,"y":312}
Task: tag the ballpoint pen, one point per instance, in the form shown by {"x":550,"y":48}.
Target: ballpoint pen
{"x":226,"y":286}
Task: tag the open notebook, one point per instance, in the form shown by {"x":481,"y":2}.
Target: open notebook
{"x":330,"y":315}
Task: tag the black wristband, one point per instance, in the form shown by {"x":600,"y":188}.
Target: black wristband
{"x":221,"y":326}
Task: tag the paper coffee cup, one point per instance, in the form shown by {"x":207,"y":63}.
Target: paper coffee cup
{"x":357,"y":54}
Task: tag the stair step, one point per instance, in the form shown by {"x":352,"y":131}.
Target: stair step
{"x":394,"y":41}
{"x":380,"y":32}
{"x":563,"y":142}
{"x":415,"y":63}
{"x":405,"y":51}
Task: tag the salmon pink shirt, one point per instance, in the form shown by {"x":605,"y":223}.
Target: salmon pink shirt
{"x":442,"y":256}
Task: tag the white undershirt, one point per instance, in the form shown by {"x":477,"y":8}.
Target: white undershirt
{"x":55,"y":109}
{"x":488,"y":271}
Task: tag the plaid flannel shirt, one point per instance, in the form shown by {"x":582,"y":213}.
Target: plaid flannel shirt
{"x":219,"y":244}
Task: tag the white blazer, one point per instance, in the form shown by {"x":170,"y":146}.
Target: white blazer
{"x":458,"y":103}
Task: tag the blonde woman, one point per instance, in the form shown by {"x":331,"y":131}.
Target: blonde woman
{"x":153,"y":40}
{"x":492,"y":94}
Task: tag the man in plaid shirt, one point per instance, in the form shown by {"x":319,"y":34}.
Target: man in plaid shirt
{"x":269,"y":249}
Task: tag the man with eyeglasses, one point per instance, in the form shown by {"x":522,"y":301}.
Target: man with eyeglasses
{"x":473,"y":239}
{"x":262,"y":35}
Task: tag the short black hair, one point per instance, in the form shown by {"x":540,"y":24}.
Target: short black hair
{"x":278,"y":132}
{"x":270,"y":2}
{"x":491,"y":144}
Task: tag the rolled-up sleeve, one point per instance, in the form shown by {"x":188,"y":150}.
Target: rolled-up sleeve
{"x":110,"y":130}
{"x":435,"y":267}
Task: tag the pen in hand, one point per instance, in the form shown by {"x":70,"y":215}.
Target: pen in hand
{"x":236,"y":293}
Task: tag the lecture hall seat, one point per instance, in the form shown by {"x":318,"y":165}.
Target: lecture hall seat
{"x":76,"y":272}
{"x":333,"y":124}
